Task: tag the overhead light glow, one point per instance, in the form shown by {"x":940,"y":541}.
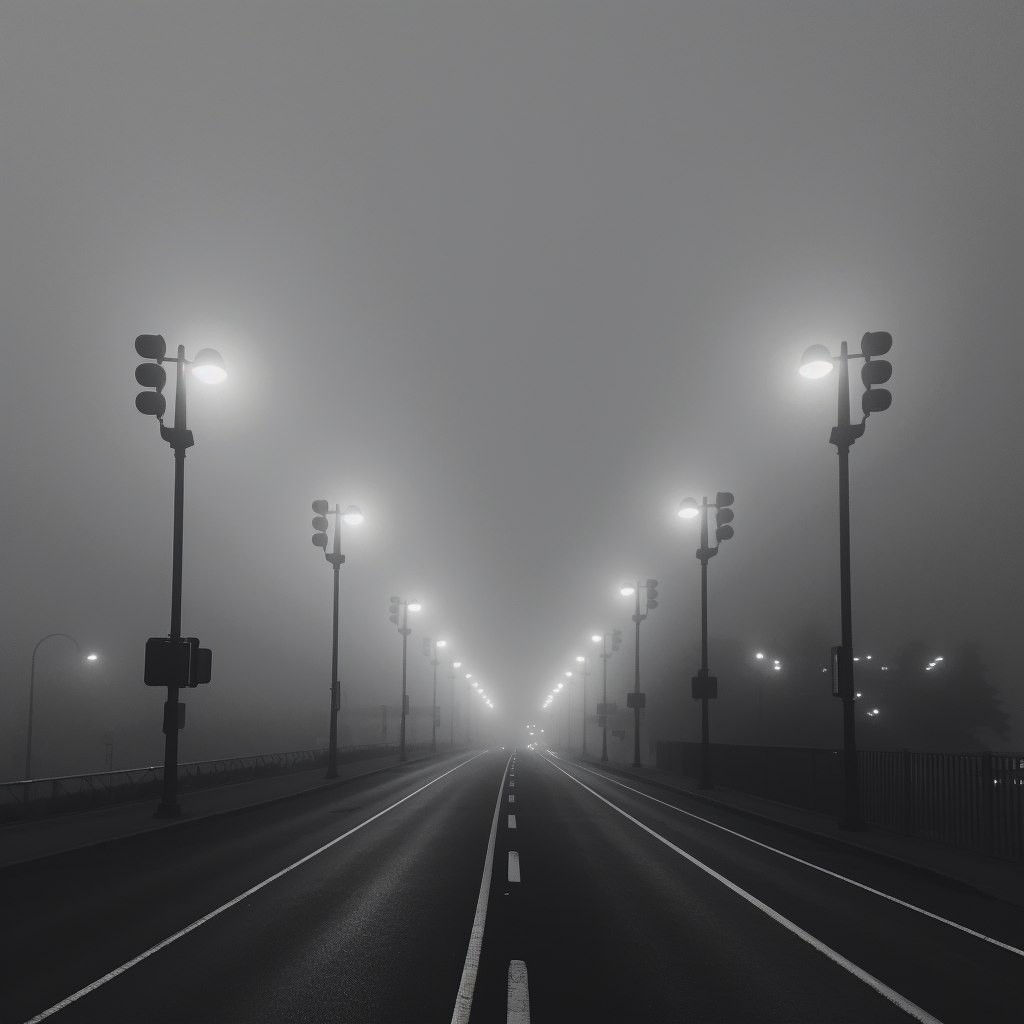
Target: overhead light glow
{"x":815,"y":362}
{"x":580,"y":658}
{"x":414,"y":606}
{"x":758,"y":655}
{"x":442,"y":643}
{"x":688,"y":508}
{"x":352,"y":515}
{"x":596,"y":639}
{"x":91,"y":657}
{"x":626,"y":591}
{"x":209,"y":367}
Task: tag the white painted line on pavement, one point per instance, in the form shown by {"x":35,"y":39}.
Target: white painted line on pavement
{"x":511,"y":821}
{"x":238,"y":899}
{"x":518,"y":1004}
{"x":880,"y":987}
{"x":464,"y":999}
{"x":513,"y":867}
{"x":807,"y":863}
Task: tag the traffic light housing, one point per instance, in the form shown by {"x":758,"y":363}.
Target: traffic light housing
{"x":723,"y":517}
{"x":875,"y":371}
{"x":151,"y":375}
{"x":652,"y":593}
{"x":320,"y":524}
{"x":395,"y":604}
{"x":616,"y":639}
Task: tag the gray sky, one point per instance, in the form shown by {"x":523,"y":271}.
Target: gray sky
{"x":515,"y":278}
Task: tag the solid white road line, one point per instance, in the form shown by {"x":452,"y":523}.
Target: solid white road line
{"x":238,"y":899}
{"x":513,"y":866}
{"x":518,"y":1004}
{"x":464,"y":1000}
{"x":807,"y":863}
{"x":511,"y":821}
{"x":880,"y":987}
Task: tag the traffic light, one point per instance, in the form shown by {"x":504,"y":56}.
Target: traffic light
{"x":426,"y":647}
{"x":723,"y":516}
{"x":652,"y":593}
{"x":394,"y":610}
{"x":320,"y":523}
{"x":616,"y":639}
{"x":875,"y":371}
{"x":151,"y":375}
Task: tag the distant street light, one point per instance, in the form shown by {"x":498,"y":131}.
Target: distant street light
{"x":398,"y":606}
{"x":353,"y":517}
{"x":615,"y":636}
{"x":704,"y":686}
{"x":816,"y":362}
{"x":637,"y":700}
{"x":455,"y":665}
{"x":169,"y":662}
{"x":582,"y":660}
{"x":32,"y":693}
{"x":430,"y":653}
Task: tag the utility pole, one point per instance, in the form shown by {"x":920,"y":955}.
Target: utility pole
{"x":637,"y":700}
{"x":616,"y":638}
{"x":586,"y":671}
{"x":403,"y":607}
{"x":430,"y":652}
{"x":816,"y":362}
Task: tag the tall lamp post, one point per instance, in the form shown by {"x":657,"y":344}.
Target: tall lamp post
{"x":568,"y":712}
{"x":400,"y":607}
{"x":455,"y":665}
{"x":353,"y":517}
{"x":637,"y":700}
{"x":430,"y":653}
{"x":32,"y":693}
{"x":170,"y":662}
{"x":582,"y":660}
{"x":816,"y":362}
{"x":615,"y":636}
{"x":704,"y":686}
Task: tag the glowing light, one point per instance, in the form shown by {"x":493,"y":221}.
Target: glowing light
{"x":758,"y":655}
{"x":414,"y":606}
{"x":938,"y":659}
{"x":815,"y":362}
{"x":91,"y":657}
{"x":626,"y":591}
{"x":457,"y":664}
{"x":688,"y":508}
{"x":442,"y":643}
{"x":597,"y":639}
{"x":569,"y":674}
{"x":209,"y":367}
{"x":778,"y":668}
{"x":352,"y":515}
{"x":580,"y":658}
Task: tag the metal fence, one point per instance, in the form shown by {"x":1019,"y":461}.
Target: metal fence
{"x":32,"y":797}
{"x":975,"y":801}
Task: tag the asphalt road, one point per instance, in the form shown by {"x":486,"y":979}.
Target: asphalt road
{"x":626,"y":908}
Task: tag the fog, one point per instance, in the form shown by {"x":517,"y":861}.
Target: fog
{"x":515,"y":279}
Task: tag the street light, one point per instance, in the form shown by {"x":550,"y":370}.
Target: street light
{"x":637,"y":700}
{"x":430,"y":653}
{"x":602,"y":709}
{"x":169,"y":662}
{"x":403,"y":607}
{"x":704,"y":686}
{"x":32,"y":692}
{"x":455,"y":665}
{"x":581,"y":659}
{"x":816,"y":362}
{"x":353,"y":517}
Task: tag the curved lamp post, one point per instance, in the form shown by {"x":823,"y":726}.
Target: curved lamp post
{"x":817,"y":362}
{"x":32,"y":692}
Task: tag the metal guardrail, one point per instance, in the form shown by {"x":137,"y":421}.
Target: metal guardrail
{"x":32,"y":797}
{"x":974,"y":801}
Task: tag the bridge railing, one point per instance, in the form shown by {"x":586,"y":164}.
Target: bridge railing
{"x":31,"y":797}
{"x":975,"y":801}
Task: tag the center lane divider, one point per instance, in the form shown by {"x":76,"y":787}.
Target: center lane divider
{"x":912,"y":1009}
{"x":74,"y":997}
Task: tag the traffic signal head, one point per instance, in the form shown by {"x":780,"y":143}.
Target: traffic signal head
{"x":723,"y":517}
{"x":723,"y":499}
{"x":652,"y":593}
{"x":876,"y":343}
{"x":616,"y":639}
{"x":320,"y":524}
{"x":149,"y":375}
{"x":394,"y":610}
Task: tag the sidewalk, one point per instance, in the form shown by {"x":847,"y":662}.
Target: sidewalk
{"x":999,"y":878}
{"x":41,"y":837}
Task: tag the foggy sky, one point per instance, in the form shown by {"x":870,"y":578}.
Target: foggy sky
{"x":515,"y":279}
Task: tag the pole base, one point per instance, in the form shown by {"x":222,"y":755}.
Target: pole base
{"x":167,"y":811}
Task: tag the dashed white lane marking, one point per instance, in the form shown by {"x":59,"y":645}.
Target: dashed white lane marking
{"x":511,"y":798}
{"x":511,"y":821}
{"x":464,"y":999}
{"x":511,"y":784}
{"x":518,"y":1005}
{"x":238,"y":899}
{"x":880,"y":987}
{"x":513,"y":867}
{"x":807,"y":863}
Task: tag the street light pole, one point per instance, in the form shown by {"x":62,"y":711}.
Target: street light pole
{"x":31,"y":698}
{"x":636,"y":700}
{"x":403,"y":607}
{"x":816,"y":362}
{"x":430,"y":650}
{"x":586,"y":671}
{"x":455,"y":665}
